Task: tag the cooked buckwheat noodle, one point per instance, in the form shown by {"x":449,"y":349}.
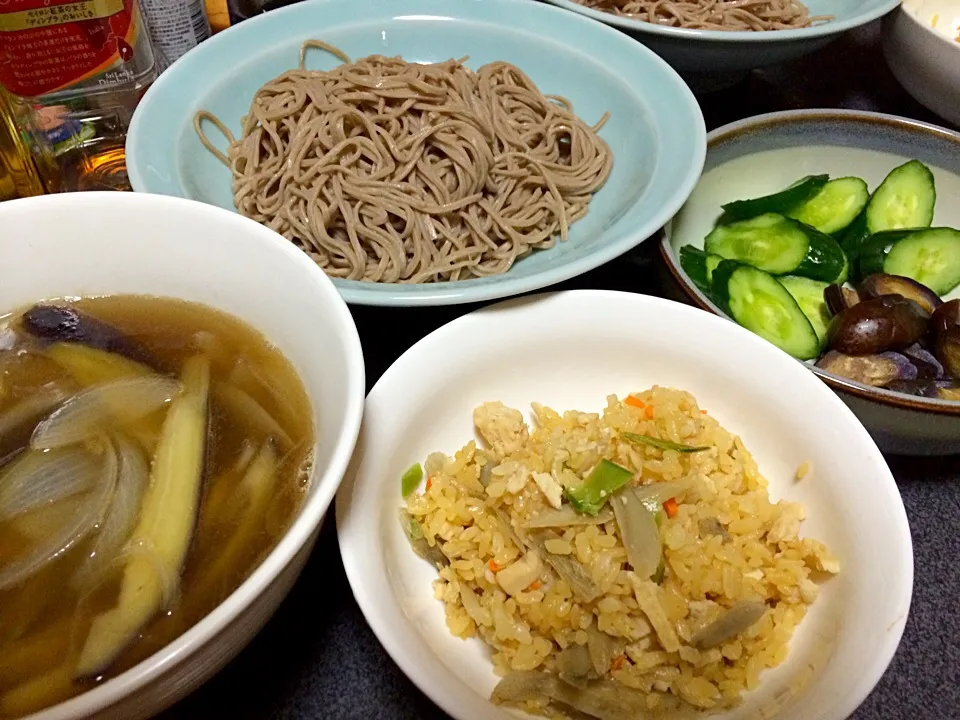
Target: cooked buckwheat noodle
{"x":389,"y":171}
{"x":713,"y":14}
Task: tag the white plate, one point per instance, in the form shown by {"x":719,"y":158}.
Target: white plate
{"x":570,"y":350}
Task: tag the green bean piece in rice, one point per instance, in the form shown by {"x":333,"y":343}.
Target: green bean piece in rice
{"x":721,"y":580}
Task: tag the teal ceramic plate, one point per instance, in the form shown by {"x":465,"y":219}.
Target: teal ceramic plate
{"x":656,"y":130}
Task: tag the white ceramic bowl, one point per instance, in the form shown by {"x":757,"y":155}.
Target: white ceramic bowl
{"x":751,"y":157}
{"x":107,"y":243}
{"x":570,"y":350}
{"x":922,"y":48}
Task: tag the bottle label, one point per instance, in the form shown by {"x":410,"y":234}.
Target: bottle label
{"x":176,"y":26}
{"x":48,"y":45}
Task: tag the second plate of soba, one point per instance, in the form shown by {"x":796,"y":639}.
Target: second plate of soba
{"x":433,"y":154}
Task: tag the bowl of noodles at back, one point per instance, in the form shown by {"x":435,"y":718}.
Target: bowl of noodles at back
{"x":456,"y":158}
{"x":713,"y":42}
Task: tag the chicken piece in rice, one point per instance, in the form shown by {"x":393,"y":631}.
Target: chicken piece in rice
{"x":501,"y":427}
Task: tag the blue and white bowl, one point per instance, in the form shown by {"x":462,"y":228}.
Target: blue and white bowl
{"x":751,"y":157}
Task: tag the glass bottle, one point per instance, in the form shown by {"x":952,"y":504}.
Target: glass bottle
{"x":19,"y":173}
{"x":75,"y":70}
{"x":176,"y":27}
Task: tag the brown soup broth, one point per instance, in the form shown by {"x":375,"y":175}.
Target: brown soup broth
{"x":256,"y":403}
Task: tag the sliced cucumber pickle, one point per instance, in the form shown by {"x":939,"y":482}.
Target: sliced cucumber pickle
{"x":780,"y":246}
{"x":905,"y":199}
{"x":769,"y":242}
{"x":835,"y":206}
{"x":757,"y":301}
{"x":698,"y":266}
{"x":809,"y":296}
{"x":931,"y":256}
{"x":779,"y":202}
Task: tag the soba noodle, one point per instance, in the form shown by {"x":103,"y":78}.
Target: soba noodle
{"x":389,"y":171}
{"x":713,"y":14}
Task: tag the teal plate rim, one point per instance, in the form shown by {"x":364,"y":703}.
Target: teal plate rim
{"x":875,"y":9}
{"x":510,"y":14}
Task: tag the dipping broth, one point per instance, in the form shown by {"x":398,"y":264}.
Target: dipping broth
{"x":152,"y":453}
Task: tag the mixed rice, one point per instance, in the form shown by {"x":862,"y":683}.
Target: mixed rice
{"x":628,"y":564}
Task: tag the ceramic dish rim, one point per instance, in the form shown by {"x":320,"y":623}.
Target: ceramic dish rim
{"x":902,"y":11}
{"x":313,"y":510}
{"x":359,"y":586}
{"x":748,"y":37}
{"x":462,"y":292}
{"x":736,"y":129}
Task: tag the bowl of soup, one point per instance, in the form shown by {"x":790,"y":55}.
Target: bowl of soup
{"x":180,"y":394}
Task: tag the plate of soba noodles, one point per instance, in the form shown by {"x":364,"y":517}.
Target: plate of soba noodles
{"x":703,"y":39}
{"x":431,"y":153}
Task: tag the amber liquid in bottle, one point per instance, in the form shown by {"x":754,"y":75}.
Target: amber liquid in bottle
{"x":18,"y":173}
{"x":78,"y":70}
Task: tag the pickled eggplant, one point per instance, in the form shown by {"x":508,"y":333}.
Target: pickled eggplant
{"x":945,"y":325}
{"x":891,"y":322}
{"x":876,"y":370}
{"x":67,"y":324}
{"x":839,"y":298}
{"x":880,"y":284}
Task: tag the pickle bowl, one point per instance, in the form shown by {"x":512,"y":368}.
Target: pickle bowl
{"x":764,"y":154}
{"x":102,"y":244}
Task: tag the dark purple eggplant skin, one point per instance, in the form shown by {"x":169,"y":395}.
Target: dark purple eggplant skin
{"x":880,"y":284}
{"x":60,"y":323}
{"x":916,"y":388}
{"x":946,"y":316}
{"x":875,"y":370}
{"x":891,"y":322}
{"x":838,"y":298}
{"x":928,"y":367}
{"x":945,"y":326}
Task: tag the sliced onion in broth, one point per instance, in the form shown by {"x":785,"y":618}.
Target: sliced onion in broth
{"x":85,"y":518}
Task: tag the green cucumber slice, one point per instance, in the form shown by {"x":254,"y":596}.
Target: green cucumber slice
{"x":698,"y":266}
{"x":835,"y":206}
{"x":905,"y":199}
{"x":809,"y":296}
{"x":780,"y":246}
{"x":769,"y":242}
{"x":931,"y":256}
{"x":779,"y":202}
{"x":758,"y":302}
{"x":852,"y":240}
{"x":825,"y":260}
